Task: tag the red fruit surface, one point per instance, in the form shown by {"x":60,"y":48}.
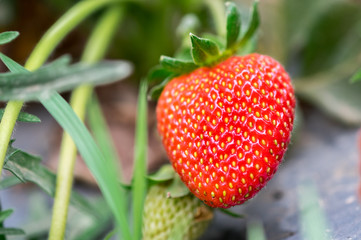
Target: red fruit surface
{"x":226,"y":128}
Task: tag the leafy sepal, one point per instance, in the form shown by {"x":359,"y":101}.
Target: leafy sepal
{"x":164,"y":174}
{"x":177,"y":188}
{"x":177,"y":66}
{"x":155,"y":91}
{"x":204,"y":51}
{"x":233,"y":24}
{"x":158,"y":74}
{"x":207,"y":50}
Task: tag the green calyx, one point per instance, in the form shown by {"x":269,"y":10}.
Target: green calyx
{"x":175,"y":188}
{"x":207,"y":51}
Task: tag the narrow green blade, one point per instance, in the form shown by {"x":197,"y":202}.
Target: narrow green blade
{"x":101,"y":132}
{"x":139,"y":185}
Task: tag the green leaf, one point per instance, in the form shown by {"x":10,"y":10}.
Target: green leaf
{"x":6,"y":37}
{"x":165,"y":173}
{"x":177,"y":188}
{"x":253,"y":25}
{"x":28,"y":168}
{"x":31,"y":85}
{"x":11,"y":231}
{"x":9,"y":182}
{"x":204,"y":51}
{"x":233,"y":23}
{"x":5,"y":214}
{"x":177,"y":66}
{"x":23,"y":117}
{"x":104,"y":171}
{"x":356,"y":77}
{"x":230,"y":213}
{"x":139,"y":184}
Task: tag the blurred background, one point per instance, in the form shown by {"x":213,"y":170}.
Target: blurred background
{"x":318,"y":42}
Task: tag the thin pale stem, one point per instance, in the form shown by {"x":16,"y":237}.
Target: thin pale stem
{"x":7,"y":125}
{"x":94,"y":51}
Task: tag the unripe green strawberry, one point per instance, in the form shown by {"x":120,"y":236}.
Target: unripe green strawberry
{"x":166,"y":217}
{"x":226,"y":128}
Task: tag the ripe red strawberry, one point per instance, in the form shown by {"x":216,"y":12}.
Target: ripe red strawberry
{"x":226,"y":128}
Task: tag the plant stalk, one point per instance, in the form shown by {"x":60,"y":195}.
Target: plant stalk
{"x":7,"y":125}
{"x":94,"y":51}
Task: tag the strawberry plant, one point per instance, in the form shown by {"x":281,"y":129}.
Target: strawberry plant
{"x":224,"y":114}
